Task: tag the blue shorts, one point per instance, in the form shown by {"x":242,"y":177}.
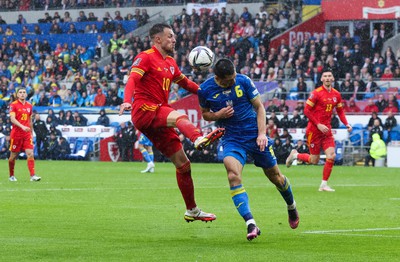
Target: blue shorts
{"x":143,"y":140}
{"x":239,"y":150}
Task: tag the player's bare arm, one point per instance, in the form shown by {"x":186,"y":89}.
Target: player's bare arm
{"x":225,"y":112}
{"x":262,"y":139}
{"x":17,"y":123}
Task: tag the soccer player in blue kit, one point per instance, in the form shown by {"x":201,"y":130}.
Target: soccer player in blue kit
{"x":234,"y":102}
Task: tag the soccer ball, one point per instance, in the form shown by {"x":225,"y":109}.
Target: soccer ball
{"x":201,"y":58}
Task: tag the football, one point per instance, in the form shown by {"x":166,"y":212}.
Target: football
{"x":201,"y":58}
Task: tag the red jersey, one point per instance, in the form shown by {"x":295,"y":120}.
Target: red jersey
{"x":23,"y":114}
{"x":322,"y":103}
{"x":157,"y":75}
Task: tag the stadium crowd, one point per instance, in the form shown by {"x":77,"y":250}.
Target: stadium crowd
{"x":69,"y":75}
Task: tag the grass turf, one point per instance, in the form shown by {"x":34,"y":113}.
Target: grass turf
{"x":95,"y":211}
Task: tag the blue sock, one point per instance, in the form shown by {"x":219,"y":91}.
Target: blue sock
{"x":286,"y":192}
{"x":151,"y":156}
{"x":145,"y":155}
{"x":241,"y":201}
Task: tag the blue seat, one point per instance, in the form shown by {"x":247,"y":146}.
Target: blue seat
{"x":358,"y":126}
{"x":82,"y":149}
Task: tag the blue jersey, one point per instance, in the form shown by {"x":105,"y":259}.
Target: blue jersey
{"x":241,"y":130}
{"x":239,"y":96}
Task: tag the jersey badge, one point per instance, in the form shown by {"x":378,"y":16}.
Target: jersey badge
{"x":334,"y":99}
{"x":172,"y":69}
{"x":137,"y":62}
{"x":159,"y":69}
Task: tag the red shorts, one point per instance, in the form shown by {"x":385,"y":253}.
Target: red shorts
{"x":20,"y":143}
{"x":317,"y":140}
{"x":151,"y":120}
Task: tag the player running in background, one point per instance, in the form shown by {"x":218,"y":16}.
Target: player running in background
{"x":319,"y":109}
{"x":21,"y":134}
{"x":152,"y":73}
{"x":146,"y":148}
{"x":233,"y":101}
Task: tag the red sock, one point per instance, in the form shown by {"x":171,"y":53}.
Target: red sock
{"x":185,"y":184}
{"x":11,"y":165}
{"x":31,"y":166}
{"x":303,"y":157}
{"x":327,"y":169}
{"x":187,"y":128}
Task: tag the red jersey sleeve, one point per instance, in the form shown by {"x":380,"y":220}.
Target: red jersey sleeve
{"x":309,"y":106}
{"x":340,"y":111}
{"x":138,"y":69}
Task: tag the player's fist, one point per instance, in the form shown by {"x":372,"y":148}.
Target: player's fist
{"x":124,"y":107}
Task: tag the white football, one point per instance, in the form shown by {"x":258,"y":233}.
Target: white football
{"x":201,"y":58}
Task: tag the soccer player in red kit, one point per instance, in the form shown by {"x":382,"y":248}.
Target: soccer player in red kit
{"x":319,"y":108}
{"x":21,"y":134}
{"x":152,"y":73}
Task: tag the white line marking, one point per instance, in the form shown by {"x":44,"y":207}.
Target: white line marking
{"x":394,"y":198}
{"x":361,"y":235}
{"x":350,"y":230}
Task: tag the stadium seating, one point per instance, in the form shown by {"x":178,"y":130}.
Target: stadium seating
{"x":82,"y":148}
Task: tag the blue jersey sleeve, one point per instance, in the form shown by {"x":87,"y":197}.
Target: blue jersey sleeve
{"x":202,"y":98}
{"x":251,"y":89}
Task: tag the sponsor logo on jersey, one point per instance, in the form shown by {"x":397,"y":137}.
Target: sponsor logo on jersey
{"x":216,"y":95}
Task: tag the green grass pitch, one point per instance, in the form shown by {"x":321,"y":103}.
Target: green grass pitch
{"x":94,"y":211}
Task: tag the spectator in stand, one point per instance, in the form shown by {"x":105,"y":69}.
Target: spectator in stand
{"x":72,"y":29}
{"x":55,"y":29}
{"x":282,"y":106}
{"x":107,"y":27}
{"x":376,"y":43}
{"x":381,"y":103}
{"x":346,"y":89}
{"x":67,"y":18}
{"x":82,"y":17}
{"x":61,"y":117}
{"x":272,"y":107}
{"x":334,"y":120}
{"x":387,"y":74}
{"x":374,"y":116}
{"x":100,"y":98}
{"x":390,"y":121}
{"x":391,"y":108}
{"x":272,"y":131}
{"x":302,"y":88}
{"x":275,"y":119}
{"x":2,"y":21}
{"x":285,"y":134}
{"x":371,"y":107}
{"x":21,"y":19}
{"x":295,"y":121}
{"x":392,"y":98}
{"x":377,"y":128}
{"x":371,"y":86}
{"x":103,"y":118}
{"x":352,"y":108}
{"x":300,"y":107}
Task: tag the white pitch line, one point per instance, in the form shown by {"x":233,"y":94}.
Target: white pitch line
{"x":394,"y":198}
{"x":350,"y":230}
{"x":361,"y":235}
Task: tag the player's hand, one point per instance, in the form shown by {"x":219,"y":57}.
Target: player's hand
{"x":323,"y":128}
{"x":26,"y":129}
{"x":349,"y":128}
{"x":262,"y":142}
{"x":124,"y":107}
{"x":226,"y":112}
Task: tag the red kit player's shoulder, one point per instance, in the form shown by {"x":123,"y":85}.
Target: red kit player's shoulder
{"x":319,"y":89}
{"x":148,"y":51}
{"x":335,"y":91}
{"x":14,"y":102}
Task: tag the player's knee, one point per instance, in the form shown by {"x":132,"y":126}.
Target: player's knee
{"x":314,"y":160}
{"x":331,"y":156}
{"x":234,"y":178}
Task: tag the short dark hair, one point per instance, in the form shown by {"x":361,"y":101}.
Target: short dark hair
{"x":327,"y":70}
{"x":158,"y":28}
{"x":224,"y":67}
